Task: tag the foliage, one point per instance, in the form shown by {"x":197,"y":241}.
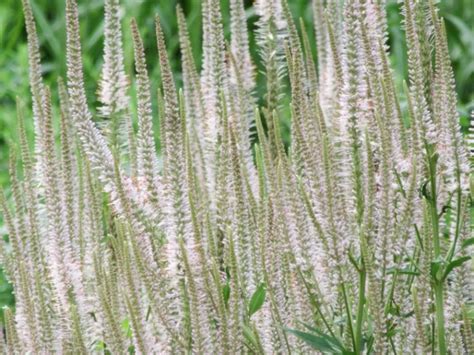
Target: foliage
{"x":228,"y":239}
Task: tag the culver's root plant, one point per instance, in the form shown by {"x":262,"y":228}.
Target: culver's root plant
{"x":355,"y":239}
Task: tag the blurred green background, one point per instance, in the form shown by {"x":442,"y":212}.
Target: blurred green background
{"x":459,"y":16}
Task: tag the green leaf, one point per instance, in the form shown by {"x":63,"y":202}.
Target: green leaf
{"x":467,"y":242}
{"x":392,"y":332}
{"x":434,"y":158}
{"x":353,"y":261}
{"x":317,"y":342}
{"x":226,"y":293}
{"x":100,"y":346}
{"x":251,"y":340}
{"x":335,"y":341}
{"x":470,"y":312}
{"x":437,"y":269}
{"x":454,"y":264}
{"x":258,"y":297}
{"x":394,"y":310}
{"x":424,"y":191}
{"x":126,"y":328}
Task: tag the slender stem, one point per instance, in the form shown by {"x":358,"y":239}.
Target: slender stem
{"x":360,"y":309}
{"x":439,"y":299}
{"x":459,"y":217}
{"x":433,"y":205}
{"x":349,"y":318}
{"x":438,"y":284}
{"x":391,"y":292}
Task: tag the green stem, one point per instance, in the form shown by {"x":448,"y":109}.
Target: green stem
{"x":391,"y":292}
{"x":439,"y":299}
{"x":459,"y":217}
{"x":349,"y":317}
{"x":434,"y":208}
{"x":360,"y":310}
{"x":438,"y":285}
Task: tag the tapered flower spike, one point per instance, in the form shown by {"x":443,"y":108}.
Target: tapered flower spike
{"x":350,"y":97}
{"x":31,"y":202}
{"x":147,"y":164}
{"x":270,"y":11}
{"x":200,"y":249}
{"x":114,"y":83}
{"x":458,"y":167}
{"x":20,"y":242}
{"x":93,"y":143}
{"x":241,"y":114}
{"x":309,"y":63}
{"x":424,"y":29}
{"x":240,"y":44}
{"x":191,"y":79}
{"x":13,"y":343}
{"x":399,"y":134}
{"x":294,"y":42}
{"x":320,"y":30}
{"x":271,"y":35}
{"x":57,"y":230}
{"x":330,"y":90}
{"x":67,"y":163}
{"x":417,"y":77}
{"x":190,"y":74}
{"x":34,"y":61}
{"x":26,"y":313}
{"x":239,"y":222}
{"x":174,"y":155}
{"x":114,"y":338}
{"x":15,"y":243}
{"x":172,"y":121}
{"x":212,"y":82}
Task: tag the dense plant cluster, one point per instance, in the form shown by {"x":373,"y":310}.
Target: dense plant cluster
{"x":355,"y":239}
